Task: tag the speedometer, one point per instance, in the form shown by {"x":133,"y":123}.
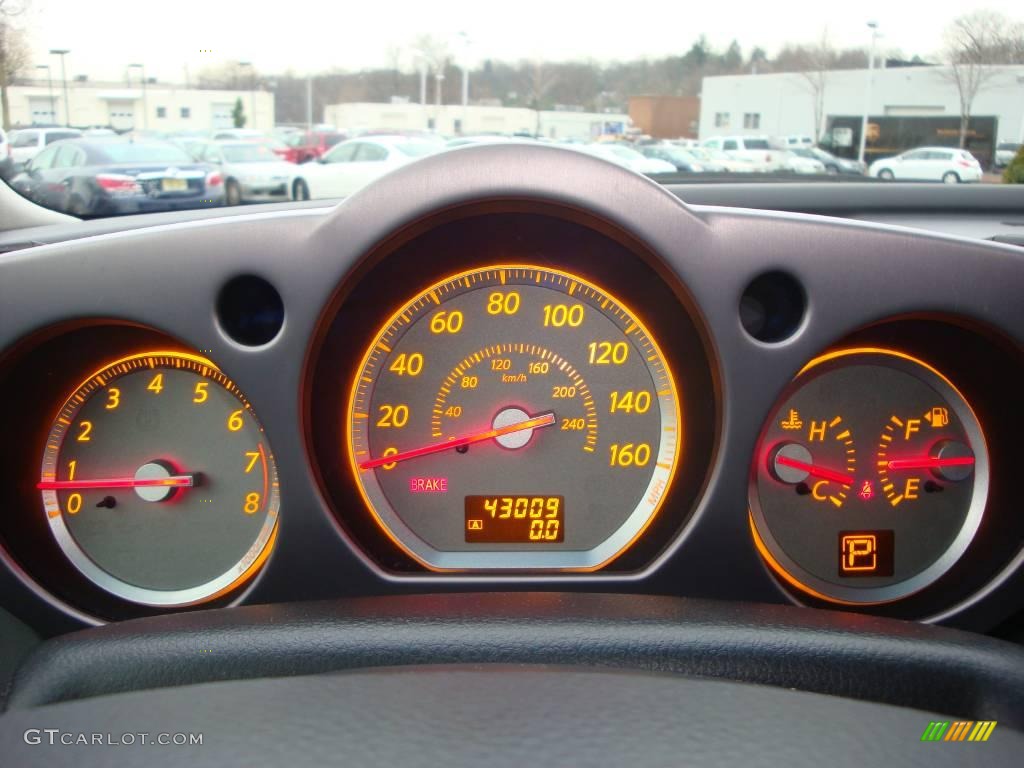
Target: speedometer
{"x":513,"y":417}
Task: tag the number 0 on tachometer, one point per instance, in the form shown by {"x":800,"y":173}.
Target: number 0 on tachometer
{"x":514,"y":417}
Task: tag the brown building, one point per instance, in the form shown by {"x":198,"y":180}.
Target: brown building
{"x":666,"y":117}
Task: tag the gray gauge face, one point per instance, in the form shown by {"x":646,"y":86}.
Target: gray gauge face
{"x":158,"y":481}
{"x":870,"y":479}
{"x":513,"y":417}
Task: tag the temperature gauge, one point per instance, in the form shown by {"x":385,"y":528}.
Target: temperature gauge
{"x":871,"y":478}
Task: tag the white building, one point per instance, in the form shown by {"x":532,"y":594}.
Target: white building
{"x":784,"y":104}
{"x":158,"y":107}
{"x":455,"y":119}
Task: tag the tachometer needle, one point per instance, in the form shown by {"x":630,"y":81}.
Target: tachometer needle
{"x":813,"y":469}
{"x":543,"y":420}
{"x":930,"y":462}
{"x":174,"y":481}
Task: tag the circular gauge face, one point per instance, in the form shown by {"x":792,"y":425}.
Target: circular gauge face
{"x":871,"y":478}
{"x":513,"y":417}
{"x":158,"y":481}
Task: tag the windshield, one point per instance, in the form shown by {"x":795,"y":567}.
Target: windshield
{"x":295,"y":85}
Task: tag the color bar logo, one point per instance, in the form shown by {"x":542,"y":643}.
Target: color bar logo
{"x":964,"y":730}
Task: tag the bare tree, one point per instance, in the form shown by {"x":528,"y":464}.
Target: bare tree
{"x":821,"y":58}
{"x":14,"y":53}
{"x":974,"y":44}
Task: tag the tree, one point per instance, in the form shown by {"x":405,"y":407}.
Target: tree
{"x":14,"y":53}
{"x":238,"y":113}
{"x":974,"y":43}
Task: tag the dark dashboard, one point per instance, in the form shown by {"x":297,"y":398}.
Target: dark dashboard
{"x":517,"y":370}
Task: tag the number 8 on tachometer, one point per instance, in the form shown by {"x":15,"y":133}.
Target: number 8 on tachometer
{"x":514,"y":417}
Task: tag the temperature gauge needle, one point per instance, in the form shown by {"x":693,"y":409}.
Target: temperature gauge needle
{"x":174,"y":481}
{"x":543,"y":420}
{"x":813,"y":469}
{"x":929,"y":462}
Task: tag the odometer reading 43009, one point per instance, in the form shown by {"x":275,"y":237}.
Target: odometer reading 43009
{"x":514,"y":417}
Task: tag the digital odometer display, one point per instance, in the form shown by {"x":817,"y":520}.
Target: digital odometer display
{"x":513,"y":385}
{"x":515,"y":519}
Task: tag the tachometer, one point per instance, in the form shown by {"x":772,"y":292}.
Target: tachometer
{"x":158,"y":481}
{"x":513,"y":417}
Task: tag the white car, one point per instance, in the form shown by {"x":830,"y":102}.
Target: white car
{"x":801,"y":164}
{"x":252,"y":171}
{"x":1005,"y":152}
{"x":756,"y":150}
{"x":26,"y":143}
{"x":351,"y":165}
{"x":629,"y":158}
{"x":946,"y":164}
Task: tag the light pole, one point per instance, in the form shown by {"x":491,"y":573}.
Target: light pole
{"x":309,"y":102}
{"x":49,"y":83}
{"x":464,"y":41}
{"x":62,"y":52}
{"x":145,"y":109}
{"x":252,"y":90}
{"x":873,"y":26}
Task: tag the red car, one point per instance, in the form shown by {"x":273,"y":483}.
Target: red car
{"x":309,"y":145}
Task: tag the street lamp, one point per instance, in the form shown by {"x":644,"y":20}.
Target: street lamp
{"x":49,"y":83}
{"x":252,"y":90}
{"x":62,"y":52}
{"x":873,"y":26}
{"x":465,"y":45}
{"x":145,"y":109}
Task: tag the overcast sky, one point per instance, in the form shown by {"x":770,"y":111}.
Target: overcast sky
{"x":314,"y":35}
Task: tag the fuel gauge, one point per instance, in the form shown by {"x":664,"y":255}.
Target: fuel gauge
{"x":890,"y":524}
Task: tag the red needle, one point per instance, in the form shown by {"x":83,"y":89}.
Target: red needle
{"x":927,"y":462}
{"x":174,"y":481}
{"x":825,"y":474}
{"x":544,"y":420}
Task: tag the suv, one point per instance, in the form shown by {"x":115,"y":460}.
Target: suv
{"x":26,"y":143}
{"x":756,"y":150}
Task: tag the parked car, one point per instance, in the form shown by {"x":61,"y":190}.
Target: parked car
{"x":716,"y":161}
{"x":106,"y":177}
{"x":1005,"y":152}
{"x":681,"y":160}
{"x":757,"y":150}
{"x":833,"y":165}
{"x":945,"y":164}
{"x":26,"y":143}
{"x":230,"y":134}
{"x":796,"y":162}
{"x":252,"y":171}
{"x":6,"y":163}
{"x":309,"y":145}
{"x":625,"y":156}
{"x":353,"y":164}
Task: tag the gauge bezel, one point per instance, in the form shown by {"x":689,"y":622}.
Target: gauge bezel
{"x":802,"y":580}
{"x":227,"y":582}
{"x":671,"y":439}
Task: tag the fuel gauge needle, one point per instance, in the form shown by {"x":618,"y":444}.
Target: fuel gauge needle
{"x":813,"y":469}
{"x":929,"y":462}
{"x":174,"y":481}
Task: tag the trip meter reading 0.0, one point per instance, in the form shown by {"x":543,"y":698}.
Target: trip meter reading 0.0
{"x":871,"y":478}
{"x":514,"y":417}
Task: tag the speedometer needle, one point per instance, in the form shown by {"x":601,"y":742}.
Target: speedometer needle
{"x":814,"y":469}
{"x":174,"y":481}
{"x":543,"y":420}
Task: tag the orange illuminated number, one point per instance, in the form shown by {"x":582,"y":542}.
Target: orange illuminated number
{"x":506,"y":508}
{"x":113,"y":398}
{"x":407,"y":364}
{"x":536,"y":506}
{"x":446,"y":322}
{"x":630,"y":401}
{"x":607,"y":353}
{"x":86,"y":427}
{"x":200,"y":394}
{"x":252,"y":503}
{"x":539,"y":367}
{"x":520,"y":507}
{"x":561,"y":315}
{"x":157,"y":384}
{"x":470,"y":382}
{"x":74,"y":503}
{"x":501,"y":364}
{"x":563,"y":392}
{"x":551,"y":529}
{"x":393,"y":416}
{"x":551,"y":505}
{"x":629,"y":455}
{"x":235,"y":422}
{"x":573,"y":425}
{"x":491,"y":505}
{"x":536,"y":530}
{"x":254,"y":456}
{"x":499,"y":303}
{"x":453,"y":411}
{"x":71,"y":469}
{"x":389,"y":452}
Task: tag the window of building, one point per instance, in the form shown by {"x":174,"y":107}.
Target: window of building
{"x":752,"y":120}
{"x":721,"y":119}
{"x":458,"y":125}
{"x":186,"y":113}
{"x":161,"y":111}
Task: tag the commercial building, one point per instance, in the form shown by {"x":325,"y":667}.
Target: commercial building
{"x":455,"y":119}
{"x":157,"y":106}
{"x":785,"y":104}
